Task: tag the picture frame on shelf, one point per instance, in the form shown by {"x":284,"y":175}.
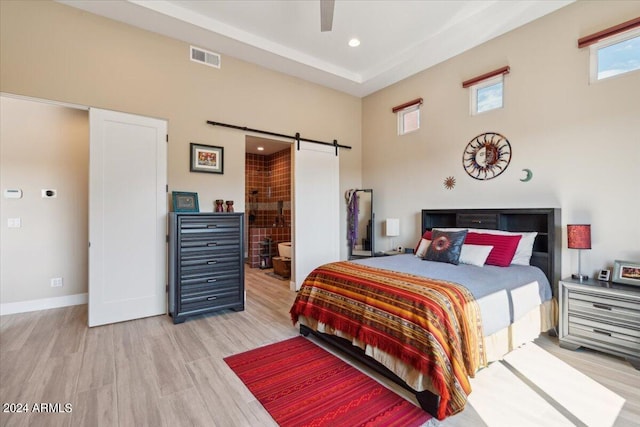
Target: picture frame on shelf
{"x":206,"y":158}
{"x":604,"y":275}
{"x":626,"y":272}
{"x":184,"y":201}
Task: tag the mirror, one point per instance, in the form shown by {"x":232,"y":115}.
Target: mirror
{"x":360,"y":223}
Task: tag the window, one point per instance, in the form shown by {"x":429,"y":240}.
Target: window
{"x":409,"y":119}
{"x":487,"y":95}
{"x":486,"y":92}
{"x":615,"y":55}
{"x":408,"y":116}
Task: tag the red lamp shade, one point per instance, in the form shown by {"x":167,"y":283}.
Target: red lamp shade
{"x":579,"y":236}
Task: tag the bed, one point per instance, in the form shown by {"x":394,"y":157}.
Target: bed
{"x":429,"y":325}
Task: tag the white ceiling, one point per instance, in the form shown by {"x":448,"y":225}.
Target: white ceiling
{"x":398,"y":37}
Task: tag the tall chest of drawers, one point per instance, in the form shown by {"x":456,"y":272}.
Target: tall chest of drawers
{"x":206,"y":266}
{"x":602,"y":316}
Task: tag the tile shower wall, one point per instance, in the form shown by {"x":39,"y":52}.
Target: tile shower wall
{"x":267,"y":193}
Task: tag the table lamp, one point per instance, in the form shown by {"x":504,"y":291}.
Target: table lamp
{"x":579,"y":237}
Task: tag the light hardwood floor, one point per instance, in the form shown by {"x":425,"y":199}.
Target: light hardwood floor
{"x":149,"y":372}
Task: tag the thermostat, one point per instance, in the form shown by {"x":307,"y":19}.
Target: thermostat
{"x":49,"y":193}
{"x":13,"y":194}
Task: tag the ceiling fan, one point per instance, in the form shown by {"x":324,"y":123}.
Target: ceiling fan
{"x":326,"y":14}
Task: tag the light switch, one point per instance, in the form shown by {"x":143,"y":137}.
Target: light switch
{"x":14,"y":222}
{"x":11,"y":193}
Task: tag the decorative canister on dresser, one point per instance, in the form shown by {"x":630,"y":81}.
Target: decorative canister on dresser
{"x":206,"y":268}
{"x":229,"y":205}
{"x":219,"y":206}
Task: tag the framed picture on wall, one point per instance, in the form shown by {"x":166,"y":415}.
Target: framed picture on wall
{"x":206,"y":158}
{"x":185,"y":202}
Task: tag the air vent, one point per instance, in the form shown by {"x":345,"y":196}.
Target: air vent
{"x":205,"y":57}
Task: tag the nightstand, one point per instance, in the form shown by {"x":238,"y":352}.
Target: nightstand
{"x":387,"y":253}
{"x":602,"y":316}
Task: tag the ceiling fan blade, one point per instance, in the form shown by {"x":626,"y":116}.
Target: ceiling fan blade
{"x":326,"y":14}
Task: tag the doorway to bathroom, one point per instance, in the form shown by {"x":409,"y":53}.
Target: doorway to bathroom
{"x":268,"y":203}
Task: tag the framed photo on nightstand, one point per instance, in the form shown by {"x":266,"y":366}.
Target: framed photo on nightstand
{"x":604,"y":275}
{"x":627,"y":272}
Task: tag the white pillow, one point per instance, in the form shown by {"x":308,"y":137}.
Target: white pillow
{"x":475,"y":254}
{"x":422,"y":248}
{"x":525,"y":245}
{"x":469,"y":254}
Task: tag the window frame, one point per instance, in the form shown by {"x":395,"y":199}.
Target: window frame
{"x":401,"y":113}
{"x":594,"y":50}
{"x":473,"y":94}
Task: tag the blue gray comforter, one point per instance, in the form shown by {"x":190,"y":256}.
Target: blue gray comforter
{"x":504,"y":294}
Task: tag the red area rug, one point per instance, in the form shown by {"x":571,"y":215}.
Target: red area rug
{"x":300,"y":384}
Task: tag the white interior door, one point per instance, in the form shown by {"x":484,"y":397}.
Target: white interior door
{"x":127,"y":217}
{"x":317,"y":208}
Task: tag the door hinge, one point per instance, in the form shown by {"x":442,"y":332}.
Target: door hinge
{"x":166,"y":188}
{"x":167,"y":137}
{"x":167,"y":288}
{"x":167,"y":238}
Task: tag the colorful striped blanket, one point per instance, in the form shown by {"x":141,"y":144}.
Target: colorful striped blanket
{"x":432,"y":325}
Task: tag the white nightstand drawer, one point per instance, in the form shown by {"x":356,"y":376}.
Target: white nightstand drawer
{"x":612,"y":337}
{"x":605,"y":309}
{"x":632,"y":334}
{"x":605,"y":300}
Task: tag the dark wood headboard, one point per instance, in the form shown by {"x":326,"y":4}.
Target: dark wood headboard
{"x":546,"y":221}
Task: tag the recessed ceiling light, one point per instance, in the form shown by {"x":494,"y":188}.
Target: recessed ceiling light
{"x":354,"y":42}
{"x":260,"y":148}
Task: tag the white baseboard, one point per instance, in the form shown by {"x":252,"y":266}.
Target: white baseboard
{"x":42,"y":304}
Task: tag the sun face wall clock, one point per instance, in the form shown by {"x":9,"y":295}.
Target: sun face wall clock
{"x":486,"y":156}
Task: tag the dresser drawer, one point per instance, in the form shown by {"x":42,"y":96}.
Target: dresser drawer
{"x":208,"y":298}
{"x":197,"y":287}
{"x":208,"y":223}
{"x":604,"y":308}
{"x":210,"y":277}
{"x":208,"y":261}
{"x":209,"y":274}
{"x":209,"y":240}
{"x":620,"y":338}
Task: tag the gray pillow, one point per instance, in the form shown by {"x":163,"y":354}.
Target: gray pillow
{"x":445,"y":246}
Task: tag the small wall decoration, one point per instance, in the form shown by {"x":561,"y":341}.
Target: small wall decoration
{"x":627,"y":272}
{"x":486,"y":156}
{"x":185,"y":202}
{"x":528,"y":176}
{"x":449,"y":182}
{"x":206,"y":158}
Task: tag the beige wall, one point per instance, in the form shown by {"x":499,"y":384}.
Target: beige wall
{"x":51,"y":51}
{"x":43,"y":147}
{"x":581,"y":141}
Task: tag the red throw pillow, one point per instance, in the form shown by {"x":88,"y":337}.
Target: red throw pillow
{"x":504,"y":247}
{"x":426,"y":235}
